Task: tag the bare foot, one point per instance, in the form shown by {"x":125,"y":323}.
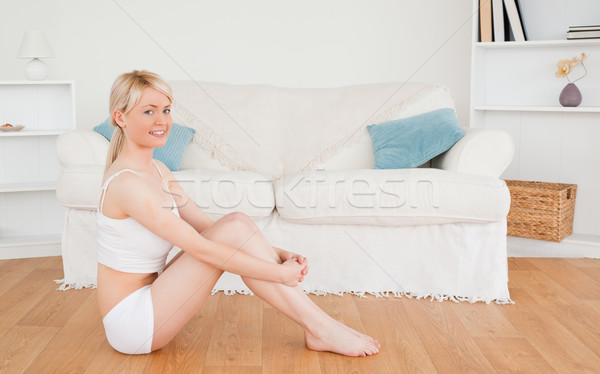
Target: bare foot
{"x":359,"y":334}
{"x":339,"y":338}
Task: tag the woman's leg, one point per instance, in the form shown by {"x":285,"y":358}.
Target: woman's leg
{"x":185,"y":284}
{"x":183,"y":287}
{"x":177,"y":294}
{"x":181,"y":290}
{"x":322,"y":333}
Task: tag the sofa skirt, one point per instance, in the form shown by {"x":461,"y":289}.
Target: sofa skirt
{"x":453,"y":261}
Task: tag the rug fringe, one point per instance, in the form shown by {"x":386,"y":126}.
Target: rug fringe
{"x":378,"y":294}
{"x":64,"y":286}
{"x":363,"y":294}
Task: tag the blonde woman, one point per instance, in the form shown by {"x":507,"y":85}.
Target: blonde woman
{"x":143,"y":212}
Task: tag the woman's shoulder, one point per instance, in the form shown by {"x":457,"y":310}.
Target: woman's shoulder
{"x":121,"y":186}
{"x":164,"y":169}
{"x":129,"y":189}
{"x":160,"y":164}
{"x":115,"y":171}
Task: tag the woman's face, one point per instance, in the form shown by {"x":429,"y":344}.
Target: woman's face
{"x":148,"y":123}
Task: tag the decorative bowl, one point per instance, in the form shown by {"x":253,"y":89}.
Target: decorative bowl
{"x":13,"y":128}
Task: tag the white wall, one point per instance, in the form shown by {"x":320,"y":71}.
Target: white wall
{"x":550,"y":19}
{"x":297,"y":44}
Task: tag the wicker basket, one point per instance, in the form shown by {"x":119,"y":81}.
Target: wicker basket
{"x":540,"y":210}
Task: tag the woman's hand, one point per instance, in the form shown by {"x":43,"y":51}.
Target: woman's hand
{"x":285,"y":255}
{"x":294,"y":272}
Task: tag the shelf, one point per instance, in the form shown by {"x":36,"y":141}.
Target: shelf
{"x":31,"y":219}
{"x":33,"y":83}
{"x":27,"y":187}
{"x":24,"y":132}
{"x":539,"y":43}
{"x":514,"y":89}
{"x":13,"y":241}
{"x":523,"y":108}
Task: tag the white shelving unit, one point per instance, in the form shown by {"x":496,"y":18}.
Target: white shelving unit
{"x":523,"y":108}
{"x":514,"y":88}
{"x":31,"y":219}
{"x":537,"y":43}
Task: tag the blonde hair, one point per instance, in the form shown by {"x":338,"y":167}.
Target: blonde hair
{"x":125,"y":93}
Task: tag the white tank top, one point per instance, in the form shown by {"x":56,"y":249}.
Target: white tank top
{"x":125,"y":245}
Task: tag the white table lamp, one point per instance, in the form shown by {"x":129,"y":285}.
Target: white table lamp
{"x":35,"y":46}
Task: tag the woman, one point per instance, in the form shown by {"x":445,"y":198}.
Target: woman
{"x":141,"y":216}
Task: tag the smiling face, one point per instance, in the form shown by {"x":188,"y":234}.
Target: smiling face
{"x":148,"y":123}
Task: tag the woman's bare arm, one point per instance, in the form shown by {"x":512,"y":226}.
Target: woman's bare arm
{"x":188,"y":210}
{"x":138,"y":200}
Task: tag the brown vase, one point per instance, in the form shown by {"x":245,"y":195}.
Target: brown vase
{"x":570,"y":95}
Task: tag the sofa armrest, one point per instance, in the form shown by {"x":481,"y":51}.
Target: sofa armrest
{"x":480,"y":151}
{"x":78,"y":186}
{"x":81,"y":147}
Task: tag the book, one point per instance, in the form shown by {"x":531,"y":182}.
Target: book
{"x":514,"y":17}
{"x":507,"y":32}
{"x":584,"y":28}
{"x":485,"y":20}
{"x":498,"y":20}
{"x":583,"y":35}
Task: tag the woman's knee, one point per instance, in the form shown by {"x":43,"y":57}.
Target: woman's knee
{"x":240,"y":222}
{"x":239,"y":217}
{"x":231,"y":226}
{"x":243,"y":228}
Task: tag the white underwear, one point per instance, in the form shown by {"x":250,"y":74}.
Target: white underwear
{"x":129,"y":326}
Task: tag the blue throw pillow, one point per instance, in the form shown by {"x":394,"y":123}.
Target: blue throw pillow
{"x":171,"y":153}
{"x":410,"y":142}
{"x":105,"y":129}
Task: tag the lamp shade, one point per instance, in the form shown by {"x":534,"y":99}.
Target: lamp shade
{"x":35,"y":45}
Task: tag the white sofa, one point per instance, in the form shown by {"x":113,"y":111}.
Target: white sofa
{"x":299,"y":162}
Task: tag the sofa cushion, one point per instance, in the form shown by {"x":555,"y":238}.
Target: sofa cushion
{"x":357,"y":152}
{"x":410,"y":142}
{"x":270,"y":130}
{"x":390,"y":197}
{"x":195,"y":157}
{"x":171,"y":153}
{"x":105,"y":129}
{"x":223,"y":192}
{"x":216,"y":192}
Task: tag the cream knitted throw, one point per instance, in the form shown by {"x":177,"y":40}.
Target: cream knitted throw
{"x":278,"y":131}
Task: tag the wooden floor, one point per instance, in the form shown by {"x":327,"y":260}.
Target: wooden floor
{"x":554,"y":326}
